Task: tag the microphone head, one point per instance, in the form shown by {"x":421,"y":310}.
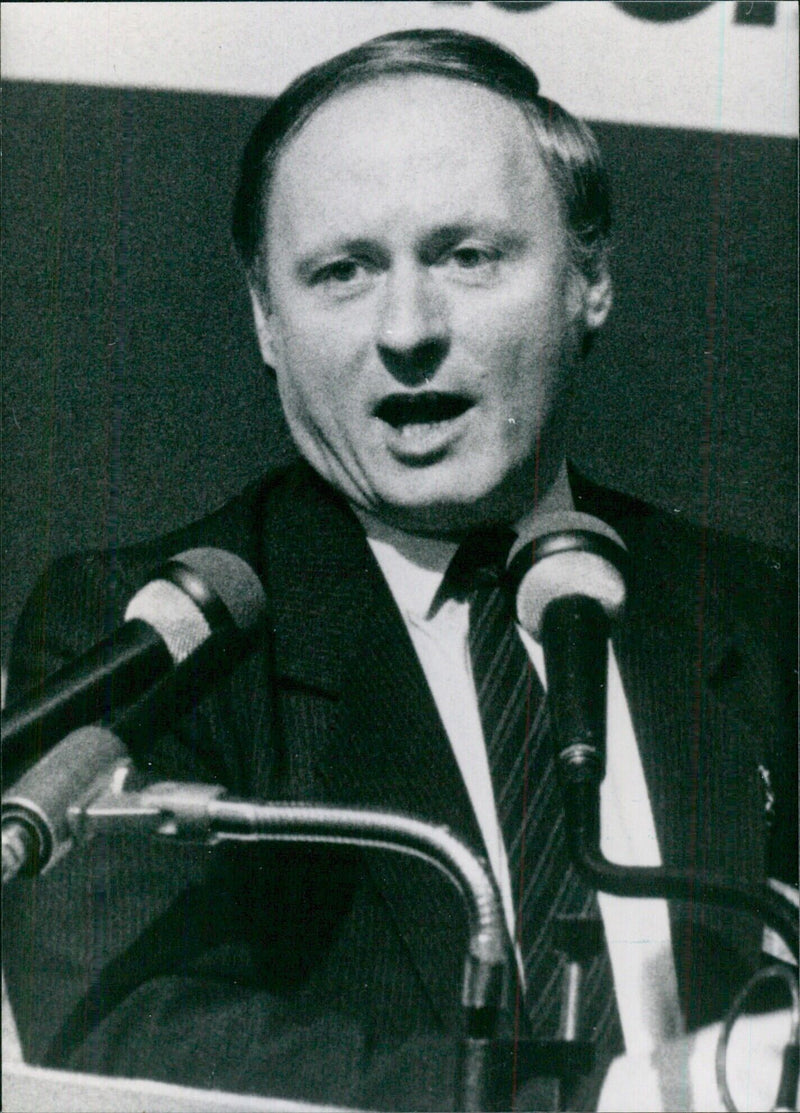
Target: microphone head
{"x":233,"y":580}
{"x":200,"y":589}
{"x":567,"y":553}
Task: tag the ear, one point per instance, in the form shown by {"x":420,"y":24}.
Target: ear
{"x":264,"y":328}
{"x":598,"y":298}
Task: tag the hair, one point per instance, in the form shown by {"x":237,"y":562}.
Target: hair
{"x":567,"y":146}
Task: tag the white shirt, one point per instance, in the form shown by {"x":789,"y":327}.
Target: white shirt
{"x":637,"y":931}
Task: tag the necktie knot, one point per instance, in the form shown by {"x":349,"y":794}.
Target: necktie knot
{"x":479,"y":562}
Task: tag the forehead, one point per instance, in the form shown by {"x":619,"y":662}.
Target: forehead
{"x":413,"y":143}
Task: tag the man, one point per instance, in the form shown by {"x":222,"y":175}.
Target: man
{"x":425,"y":241}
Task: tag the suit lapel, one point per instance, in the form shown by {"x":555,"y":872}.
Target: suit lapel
{"x":378,"y":740}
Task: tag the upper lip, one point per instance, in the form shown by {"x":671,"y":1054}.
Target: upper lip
{"x":422,"y":407}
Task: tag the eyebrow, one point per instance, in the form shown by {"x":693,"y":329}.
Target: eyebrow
{"x":450,"y":234}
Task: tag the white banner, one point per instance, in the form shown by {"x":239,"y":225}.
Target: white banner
{"x":722,"y":66}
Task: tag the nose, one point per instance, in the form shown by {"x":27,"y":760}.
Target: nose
{"x":413,"y":337}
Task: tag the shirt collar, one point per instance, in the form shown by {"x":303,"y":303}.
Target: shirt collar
{"x":413,"y":566}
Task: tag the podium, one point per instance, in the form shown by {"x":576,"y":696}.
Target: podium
{"x":37,"y":1090}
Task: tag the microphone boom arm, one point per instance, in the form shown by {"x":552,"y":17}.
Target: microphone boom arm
{"x":582,"y":808}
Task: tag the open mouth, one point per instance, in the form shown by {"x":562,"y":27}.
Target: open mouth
{"x":426,"y":408}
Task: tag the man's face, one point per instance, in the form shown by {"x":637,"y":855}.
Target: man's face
{"x":422,"y":312}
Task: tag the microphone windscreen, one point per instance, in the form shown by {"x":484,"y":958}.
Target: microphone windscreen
{"x":567,"y":553}
{"x":174,"y":616}
{"x":233,"y":580}
{"x":178,"y":618}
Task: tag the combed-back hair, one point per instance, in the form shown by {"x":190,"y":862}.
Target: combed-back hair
{"x":567,"y":146}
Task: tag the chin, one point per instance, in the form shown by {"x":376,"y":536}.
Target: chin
{"x":446,"y":517}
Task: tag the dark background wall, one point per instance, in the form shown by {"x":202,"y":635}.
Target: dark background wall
{"x":133,"y":397}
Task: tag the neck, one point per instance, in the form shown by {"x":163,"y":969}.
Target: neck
{"x":557,"y":497}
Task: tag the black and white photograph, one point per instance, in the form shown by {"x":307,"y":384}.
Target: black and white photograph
{"x":399,"y":556}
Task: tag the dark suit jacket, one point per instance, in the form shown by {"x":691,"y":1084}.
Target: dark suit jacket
{"x":335,"y":975}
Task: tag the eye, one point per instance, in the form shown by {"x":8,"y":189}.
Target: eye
{"x":472,"y":262}
{"x":341,"y":275}
{"x":471,"y":256}
{"x":343,"y":270}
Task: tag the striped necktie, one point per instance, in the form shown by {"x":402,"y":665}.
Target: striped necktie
{"x":548,"y":893}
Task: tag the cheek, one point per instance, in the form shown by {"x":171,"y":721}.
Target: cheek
{"x":512,"y":319}
{"x":318,"y":397}
{"x":325,"y":348}
{"x":524,"y":343}
{"x":303,"y":371}
{"x":515,"y":366}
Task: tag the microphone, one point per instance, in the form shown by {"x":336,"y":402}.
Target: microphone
{"x":35,"y":827}
{"x":569,"y":578}
{"x":200,"y":598}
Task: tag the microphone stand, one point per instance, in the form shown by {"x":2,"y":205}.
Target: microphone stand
{"x":582,"y":808}
{"x":79,"y":789}
{"x":201,"y":813}
{"x":574,"y":634}
{"x":582,"y":812}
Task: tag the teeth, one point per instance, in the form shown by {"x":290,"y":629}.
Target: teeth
{"x":411,"y":429}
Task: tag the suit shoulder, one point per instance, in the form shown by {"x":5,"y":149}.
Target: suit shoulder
{"x":684,"y":558}
{"x":234,"y":526}
{"x":80,"y":598}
